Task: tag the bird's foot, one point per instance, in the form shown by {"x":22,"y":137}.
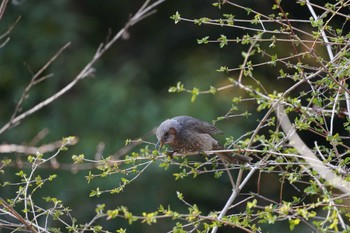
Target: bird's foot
{"x":170,"y":154}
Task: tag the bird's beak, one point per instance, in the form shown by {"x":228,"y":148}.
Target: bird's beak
{"x":159,"y":144}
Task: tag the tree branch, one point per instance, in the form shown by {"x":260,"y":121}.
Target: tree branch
{"x":13,"y":148}
{"x":323,"y":171}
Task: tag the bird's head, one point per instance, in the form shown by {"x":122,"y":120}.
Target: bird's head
{"x":167,"y":132}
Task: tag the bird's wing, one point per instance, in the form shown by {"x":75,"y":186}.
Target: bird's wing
{"x":197,"y":125}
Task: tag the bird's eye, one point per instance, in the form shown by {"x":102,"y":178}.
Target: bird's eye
{"x":166,"y":134}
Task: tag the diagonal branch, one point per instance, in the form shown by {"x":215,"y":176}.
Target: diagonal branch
{"x":3,"y":7}
{"x":145,"y":10}
{"x":314,"y":163}
{"x":12,"y":212}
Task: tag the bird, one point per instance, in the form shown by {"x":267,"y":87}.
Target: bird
{"x":188,"y":134}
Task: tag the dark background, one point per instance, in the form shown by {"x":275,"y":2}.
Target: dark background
{"x":127,"y":98}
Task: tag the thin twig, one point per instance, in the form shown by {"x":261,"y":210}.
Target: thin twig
{"x":2,"y":8}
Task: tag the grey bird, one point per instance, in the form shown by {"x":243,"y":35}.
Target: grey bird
{"x":188,"y":134}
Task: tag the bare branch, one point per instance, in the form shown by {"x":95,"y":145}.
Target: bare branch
{"x":7,"y":33}
{"x":2,"y":8}
{"x":13,"y":148}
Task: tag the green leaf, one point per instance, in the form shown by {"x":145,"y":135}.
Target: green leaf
{"x":252,"y":204}
{"x":179,"y":195}
{"x":176,"y":17}
{"x":293,"y":223}
{"x":150,"y":218}
{"x":6,"y":162}
{"x":52,"y":177}
{"x":78,"y":158}
{"x":204,"y":40}
{"x":99,"y":209}
{"x":21,"y":174}
{"x":223,"y":40}
{"x":195,"y":93}
{"x":202,"y":20}
{"x":223,"y":69}
{"x":96,"y":192}
{"x":178,"y":88}
{"x":112,"y":213}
